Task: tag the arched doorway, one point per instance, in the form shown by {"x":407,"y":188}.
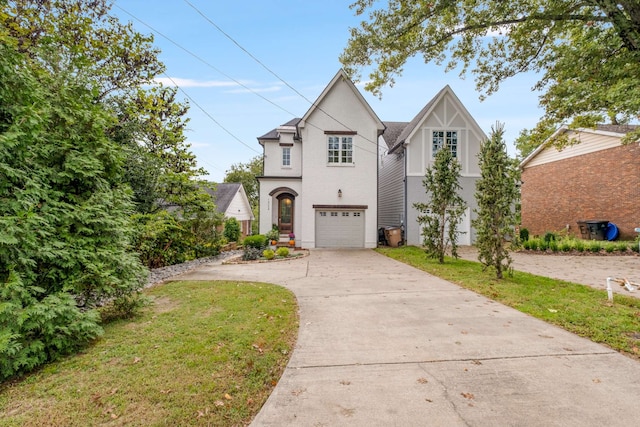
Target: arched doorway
{"x":285,"y":213}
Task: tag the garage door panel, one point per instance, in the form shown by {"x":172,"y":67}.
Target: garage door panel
{"x":339,"y":229}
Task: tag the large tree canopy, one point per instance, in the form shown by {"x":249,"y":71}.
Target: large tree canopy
{"x":586,"y":51}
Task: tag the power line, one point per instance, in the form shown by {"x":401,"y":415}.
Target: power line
{"x":268,"y":69}
{"x":210,"y":116}
{"x":237,"y":82}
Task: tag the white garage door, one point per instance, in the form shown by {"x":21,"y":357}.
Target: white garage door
{"x":339,"y":229}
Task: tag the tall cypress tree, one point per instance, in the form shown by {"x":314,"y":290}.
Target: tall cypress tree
{"x":444,"y":208}
{"x":496,"y":194}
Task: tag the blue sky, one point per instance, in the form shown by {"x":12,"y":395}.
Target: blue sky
{"x":300,"y":41}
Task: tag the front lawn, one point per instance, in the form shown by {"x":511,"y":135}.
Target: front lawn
{"x":204,"y":353}
{"x":577,"y":308}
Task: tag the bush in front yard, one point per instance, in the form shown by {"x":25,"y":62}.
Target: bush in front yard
{"x":282,"y":252}
{"x":258,"y":241}
{"x":268,"y":254}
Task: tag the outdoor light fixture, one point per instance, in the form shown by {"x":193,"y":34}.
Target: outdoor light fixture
{"x":339,"y":193}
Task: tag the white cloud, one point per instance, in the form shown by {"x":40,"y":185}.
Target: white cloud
{"x":255,"y":90}
{"x":184,"y":83}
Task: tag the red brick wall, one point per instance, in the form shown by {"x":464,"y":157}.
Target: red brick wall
{"x":602,"y":185}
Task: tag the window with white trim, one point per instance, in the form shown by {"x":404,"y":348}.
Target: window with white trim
{"x":448,"y":137}
{"x":340,"y":150}
{"x":286,"y":156}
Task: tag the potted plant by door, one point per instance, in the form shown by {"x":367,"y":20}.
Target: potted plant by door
{"x":292,"y":240}
{"x":273,"y":236}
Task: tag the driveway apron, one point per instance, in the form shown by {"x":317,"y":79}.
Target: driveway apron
{"x":384,"y":344}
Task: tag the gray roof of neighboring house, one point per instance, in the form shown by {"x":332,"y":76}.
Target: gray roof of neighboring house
{"x":273,"y":134}
{"x":223,"y":194}
{"x":416,"y":121}
{"x":617,"y":128}
{"x":392,"y":132}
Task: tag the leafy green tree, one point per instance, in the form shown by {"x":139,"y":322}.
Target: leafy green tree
{"x":64,"y":214}
{"x":444,"y":208}
{"x":586,"y":51}
{"x":81,"y":37}
{"x":160,"y":168}
{"x":232,"y":229}
{"x":246,"y":174}
{"x":497,"y":195}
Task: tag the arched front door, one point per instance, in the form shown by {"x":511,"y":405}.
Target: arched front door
{"x":285,"y":213}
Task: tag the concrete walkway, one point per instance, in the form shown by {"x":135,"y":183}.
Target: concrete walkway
{"x":384,"y":344}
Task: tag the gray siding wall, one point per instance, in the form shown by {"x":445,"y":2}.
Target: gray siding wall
{"x":391,"y":194}
{"x":416,"y":193}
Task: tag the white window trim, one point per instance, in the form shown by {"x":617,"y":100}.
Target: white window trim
{"x":458,"y":141}
{"x":282,"y":158}
{"x":340,"y":163}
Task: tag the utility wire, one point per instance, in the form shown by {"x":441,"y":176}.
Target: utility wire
{"x":211,"y":117}
{"x":268,"y":69}
{"x":236,"y":81}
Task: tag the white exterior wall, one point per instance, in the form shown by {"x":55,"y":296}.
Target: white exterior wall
{"x":269,"y":204}
{"x":239,"y":208}
{"x":321,"y":181}
{"x":273,"y":155}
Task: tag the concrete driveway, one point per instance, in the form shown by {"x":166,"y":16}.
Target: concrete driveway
{"x":383,"y":344}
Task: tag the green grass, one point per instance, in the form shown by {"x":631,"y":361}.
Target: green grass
{"x":577,"y":308}
{"x":204,"y":353}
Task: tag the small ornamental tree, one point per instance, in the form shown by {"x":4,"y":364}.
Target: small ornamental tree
{"x":496,"y":194}
{"x":443,"y":211}
{"x":232,"y":229}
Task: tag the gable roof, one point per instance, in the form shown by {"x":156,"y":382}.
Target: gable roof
{"x":414,"y":124}
{"x":617,"y":131}
{"x":342,"y":75}
{"x":223,"y":194}
{"x":274,"y":134}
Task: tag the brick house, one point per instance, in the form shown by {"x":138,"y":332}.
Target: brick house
{"x":597,"y":178}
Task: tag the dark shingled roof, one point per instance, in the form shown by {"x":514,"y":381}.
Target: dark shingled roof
{"x":273,"y":134}
{"x":617,"y":128}
{"x":392,"y":132}
{"x":223,"y":194}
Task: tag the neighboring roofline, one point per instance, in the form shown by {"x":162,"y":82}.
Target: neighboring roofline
{"x":341,"y":74}
{"x":426,"y":111}
{"x":563,"y":129}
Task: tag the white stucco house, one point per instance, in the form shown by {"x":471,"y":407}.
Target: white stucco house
{"x":408,"y":148}
{"x":231,"y":200}
{"x":320,"y":178}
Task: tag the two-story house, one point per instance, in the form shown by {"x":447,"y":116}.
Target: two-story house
{"x":320,"y":172}
{"x":408,"y":148}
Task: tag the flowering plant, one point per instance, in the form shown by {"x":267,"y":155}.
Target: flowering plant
{"x":292,"y":236}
